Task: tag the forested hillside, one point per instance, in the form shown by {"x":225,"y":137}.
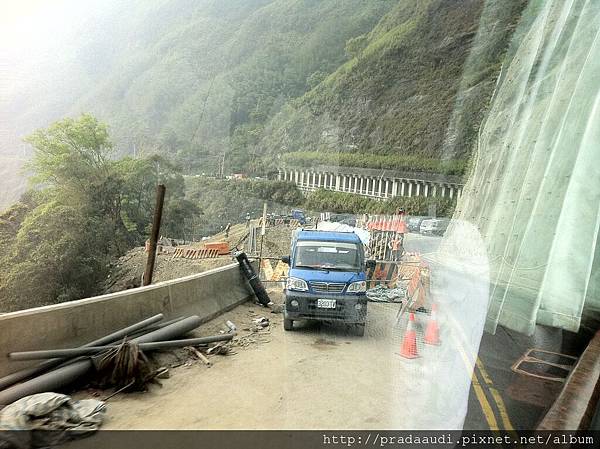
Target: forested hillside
{"x":196,"y":78}
{"x":141,"y":92}
{"x":242,"y":81}
{"x":412,"y":94}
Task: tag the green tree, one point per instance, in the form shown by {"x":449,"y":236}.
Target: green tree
{"x":140,"y":177}
{"x":61,"y":253}
{"x":85,"y":210}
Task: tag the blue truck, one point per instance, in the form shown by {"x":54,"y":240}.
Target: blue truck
{"x":327,"y":279}
{"x":298,"y":214}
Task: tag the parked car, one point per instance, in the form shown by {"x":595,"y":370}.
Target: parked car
{"x":414,"y":223}
{"x":434,"y":226}
{"x":348,"y":219}
{"x":298,"y":214}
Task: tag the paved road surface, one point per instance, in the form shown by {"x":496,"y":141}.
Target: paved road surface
{"x":498,"y":397}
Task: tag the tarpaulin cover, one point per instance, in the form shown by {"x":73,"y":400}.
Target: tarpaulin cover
{"x":363,"y":234}
{"x":47,"y":419}
{"x":384,"y":294}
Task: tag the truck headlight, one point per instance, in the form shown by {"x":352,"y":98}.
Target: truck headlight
{"x":357,"y":287}
{"x":296,"y":284}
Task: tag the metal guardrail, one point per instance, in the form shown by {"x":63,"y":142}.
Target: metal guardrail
{"x":576,"y":405}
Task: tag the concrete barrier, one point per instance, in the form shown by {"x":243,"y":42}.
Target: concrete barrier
{"x":73,"y":323}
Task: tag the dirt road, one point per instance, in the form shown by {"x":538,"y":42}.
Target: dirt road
{"x":323,"y":377}
{"x":313,"y":377}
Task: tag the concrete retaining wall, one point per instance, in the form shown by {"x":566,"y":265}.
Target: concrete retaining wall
{"x":73,"y":323}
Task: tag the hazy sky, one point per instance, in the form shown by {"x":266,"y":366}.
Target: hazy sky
{"x":36,"y":26}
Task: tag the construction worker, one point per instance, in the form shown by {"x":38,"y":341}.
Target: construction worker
{"x":248,"y":220}
{"x":227,"y":228}
{"x":396,"y":247}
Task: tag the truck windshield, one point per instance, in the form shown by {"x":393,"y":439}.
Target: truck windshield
{"x":327,"y":255}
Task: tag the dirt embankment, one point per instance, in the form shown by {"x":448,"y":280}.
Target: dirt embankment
{"x":127,"y":272}
{"x":276,"y":242}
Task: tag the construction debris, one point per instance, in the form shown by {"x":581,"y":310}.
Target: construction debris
{"x":125,"y":367}
{"x":199,"y":355}
{"x":163,"y":373}
{"x":28,"y":421}
{"x":276,"y":308}
{"x":381,"y":293}
{"x":19,"y":376}
{"x":245,"y":341}
{"x":74,"y":352}
{"x":262,"y":321}
{"x":220,"y":349}
{"x":70,"y":372}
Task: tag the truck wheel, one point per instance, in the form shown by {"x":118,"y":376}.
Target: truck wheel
{"x":288,"y":325}
{"x":359,"y":330}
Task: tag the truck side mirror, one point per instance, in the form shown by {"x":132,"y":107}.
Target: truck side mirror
{"x":370,"y":263}
{"x":285,"y":259}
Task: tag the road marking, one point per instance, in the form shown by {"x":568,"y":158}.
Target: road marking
{"x":486,"y":408}
{"x":496,"y":395}
{"x":506,"y":422}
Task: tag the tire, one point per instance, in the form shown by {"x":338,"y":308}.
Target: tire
{"x":288,"y":324}
{"x":359,"y":330}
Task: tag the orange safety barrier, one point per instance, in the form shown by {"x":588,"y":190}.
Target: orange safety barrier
{"x":266,"y":269}
{"x":393,"y":223}
{"x":221,"y":247}
{"x":414,"y":283}
{"x":196,"y":253}
{"x":383,"y":273}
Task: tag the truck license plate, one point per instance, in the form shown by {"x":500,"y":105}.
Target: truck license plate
{"x":326,"y":303}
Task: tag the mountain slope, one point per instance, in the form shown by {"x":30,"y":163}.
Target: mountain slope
{"x":183,"y":75}
{"x":250,"y":79}
{"x":417,"y":85}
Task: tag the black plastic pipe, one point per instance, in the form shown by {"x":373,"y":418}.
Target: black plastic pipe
{"x":250,"y":274}
{"x":26,"y":373}
{"x":77,"y":352}
{"x":65,"y":375}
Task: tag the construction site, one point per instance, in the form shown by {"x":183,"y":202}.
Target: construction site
{"x":300,"y":224}
{"x":435,"y":367}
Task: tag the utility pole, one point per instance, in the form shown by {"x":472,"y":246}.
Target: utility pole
{"x":222,"y":167}
{"x":262,"y":235}
{"x":158,"y":208}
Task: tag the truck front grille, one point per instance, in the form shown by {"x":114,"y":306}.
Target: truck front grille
{"x":327,"y":287}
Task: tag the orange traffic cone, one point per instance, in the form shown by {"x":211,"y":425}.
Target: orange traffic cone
{"x":409,"y":344}
{"x":432,"y":332}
